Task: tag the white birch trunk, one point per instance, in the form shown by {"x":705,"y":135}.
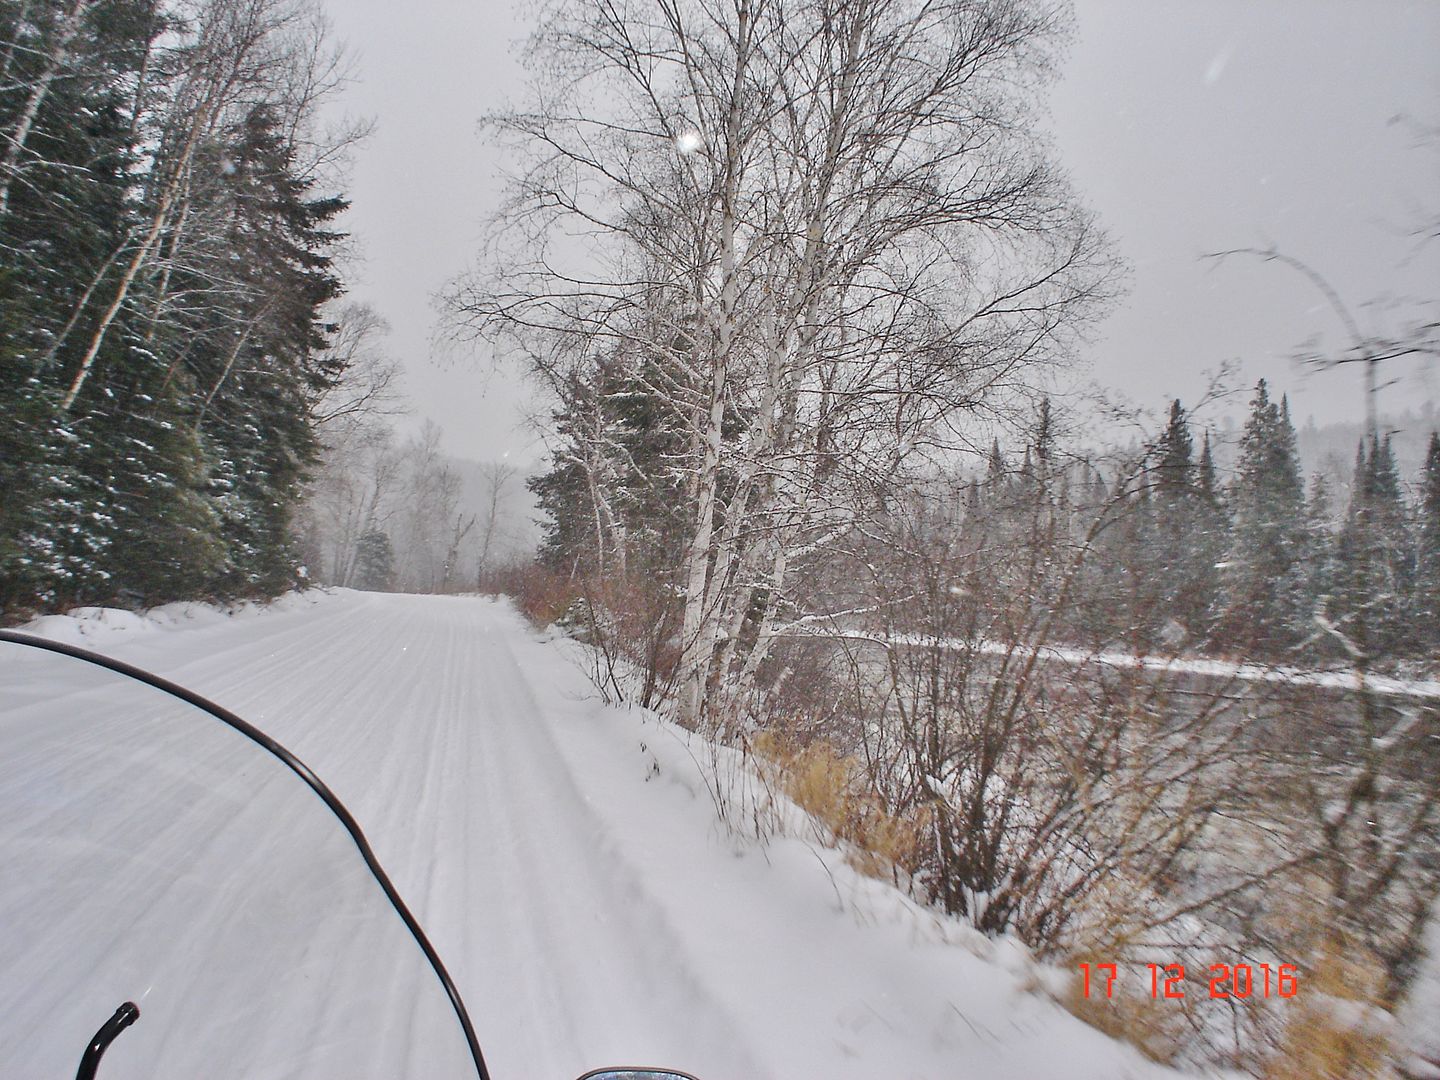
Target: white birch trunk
{"x":20,"y":134}
{"x":699,"y":627}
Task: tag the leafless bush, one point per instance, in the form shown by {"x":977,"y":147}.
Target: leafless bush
{"x":632,"y":626}
{"x":541,"y":594}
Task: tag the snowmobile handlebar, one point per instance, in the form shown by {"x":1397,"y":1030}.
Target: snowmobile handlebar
{"x":124,"y":1016}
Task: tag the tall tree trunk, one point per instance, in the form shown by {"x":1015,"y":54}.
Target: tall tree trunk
{"x":122,"y":291}
{"x":174,"y":185}
{"x":699,"y":629}
{"x":17,"y":137}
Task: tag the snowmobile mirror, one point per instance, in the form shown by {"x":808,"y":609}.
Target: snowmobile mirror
{"x":636,"y":1074}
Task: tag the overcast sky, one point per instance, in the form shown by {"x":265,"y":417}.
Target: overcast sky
{"x":1189,"y":127}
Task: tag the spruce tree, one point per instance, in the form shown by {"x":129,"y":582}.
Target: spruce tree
{"x":1206,"y":480}
{"x":997,"y":470}
{"x":1174,"y":470}
{"x":1375,"y":558}
{"x":374,"y":562}
{"x":259,"y":380}
{"x":1427,"y":575}
{"x":1172,"y":483}
{"x":66,"y":215}
{"x":1266,"y":606}
{"x":162,"y":457}
{"x":1190,"y":529}
{"x":612,"y":494}
{"x":1319,"y":519}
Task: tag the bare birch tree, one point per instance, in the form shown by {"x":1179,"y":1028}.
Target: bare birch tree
{"x":229,"y":57}
{"x":831,"y":220}
{"x":497,"y":477}
{"x":57,"y":44}
{"x":369,"y":387}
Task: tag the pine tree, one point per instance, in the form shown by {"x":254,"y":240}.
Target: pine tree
{"x":612,"y":496}
{"x":997,"y":470}
{"x":1205,"y":475}
{"x":157,"y":372}
{"x":1174,"y":471}
{"x":1044,"y":445}
{"x":66,"y":215}
{"x":1118,"y":585}
{"x":1319,"y":519}
{"x":264,"y":370}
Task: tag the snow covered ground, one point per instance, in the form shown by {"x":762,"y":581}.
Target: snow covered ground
{"x":570,"y":867}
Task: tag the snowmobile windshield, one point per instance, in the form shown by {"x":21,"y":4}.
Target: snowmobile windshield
{"x":151,"y":853}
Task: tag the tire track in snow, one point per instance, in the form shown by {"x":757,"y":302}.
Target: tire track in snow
{"x":584,"y":944}
{"x":438,"y":745}
{"x":580,"y":933}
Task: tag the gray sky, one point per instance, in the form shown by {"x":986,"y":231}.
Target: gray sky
{"x":1190,"y":127}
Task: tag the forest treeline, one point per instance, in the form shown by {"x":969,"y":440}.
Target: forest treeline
{"x":1175,"y":557}
{"x":168,"y":212}
{"x":386,"y":513}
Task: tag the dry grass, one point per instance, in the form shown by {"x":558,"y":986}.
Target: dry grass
{"x":1158,"y":1028}
{"x":833,"y":789}
{"x":1332,"y":1029}
{"x":1333,"y":1032}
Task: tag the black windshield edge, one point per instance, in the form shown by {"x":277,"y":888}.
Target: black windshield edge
{"x":300,"y":769}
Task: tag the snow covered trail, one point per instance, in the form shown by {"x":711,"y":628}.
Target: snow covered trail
{"x":568,"y":865}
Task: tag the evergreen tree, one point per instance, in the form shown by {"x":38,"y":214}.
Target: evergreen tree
{"x":1205,"y":475}
{"x":974,"y":501}
{"x":1319,"y":517}
{"x":1427,"y":576}
{"x":1210,"y":540}
{"x":266,"y":365}
{"x":1119,"y":606}
{"x":997,"y":470}
{"x":1174,"y":471}
{"x":1267,"y":609}
{"x":66,"y":215}
{"x":1189,"y":531}
{"x":1375,"y":558}
{"x":1044,"y":442}
{"x":374,"y":562}
{"x":612,"y":496}
{"x":157,"y":367}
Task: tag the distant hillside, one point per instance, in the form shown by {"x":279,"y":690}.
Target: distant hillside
{"x":1330,"y":448}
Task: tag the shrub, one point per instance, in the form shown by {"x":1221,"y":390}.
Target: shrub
{"x":541,"y":594}
{"x":833,"y":789}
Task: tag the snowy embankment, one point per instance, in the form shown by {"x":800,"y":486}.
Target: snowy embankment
{"x":570,"y":866}
{"x":1224,"y":670}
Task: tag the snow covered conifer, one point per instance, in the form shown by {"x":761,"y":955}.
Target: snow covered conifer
{"x":162,"y":263}
{"x":1427,"y":576}
{"x":1186,"y":528}
{"x":374,"y":562}
{"x":1175,"y":467}
{"x":1375,"y":559}
{"x":1265,"y":603}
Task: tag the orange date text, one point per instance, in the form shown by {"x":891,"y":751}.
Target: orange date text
{"x":1225,"y":980}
